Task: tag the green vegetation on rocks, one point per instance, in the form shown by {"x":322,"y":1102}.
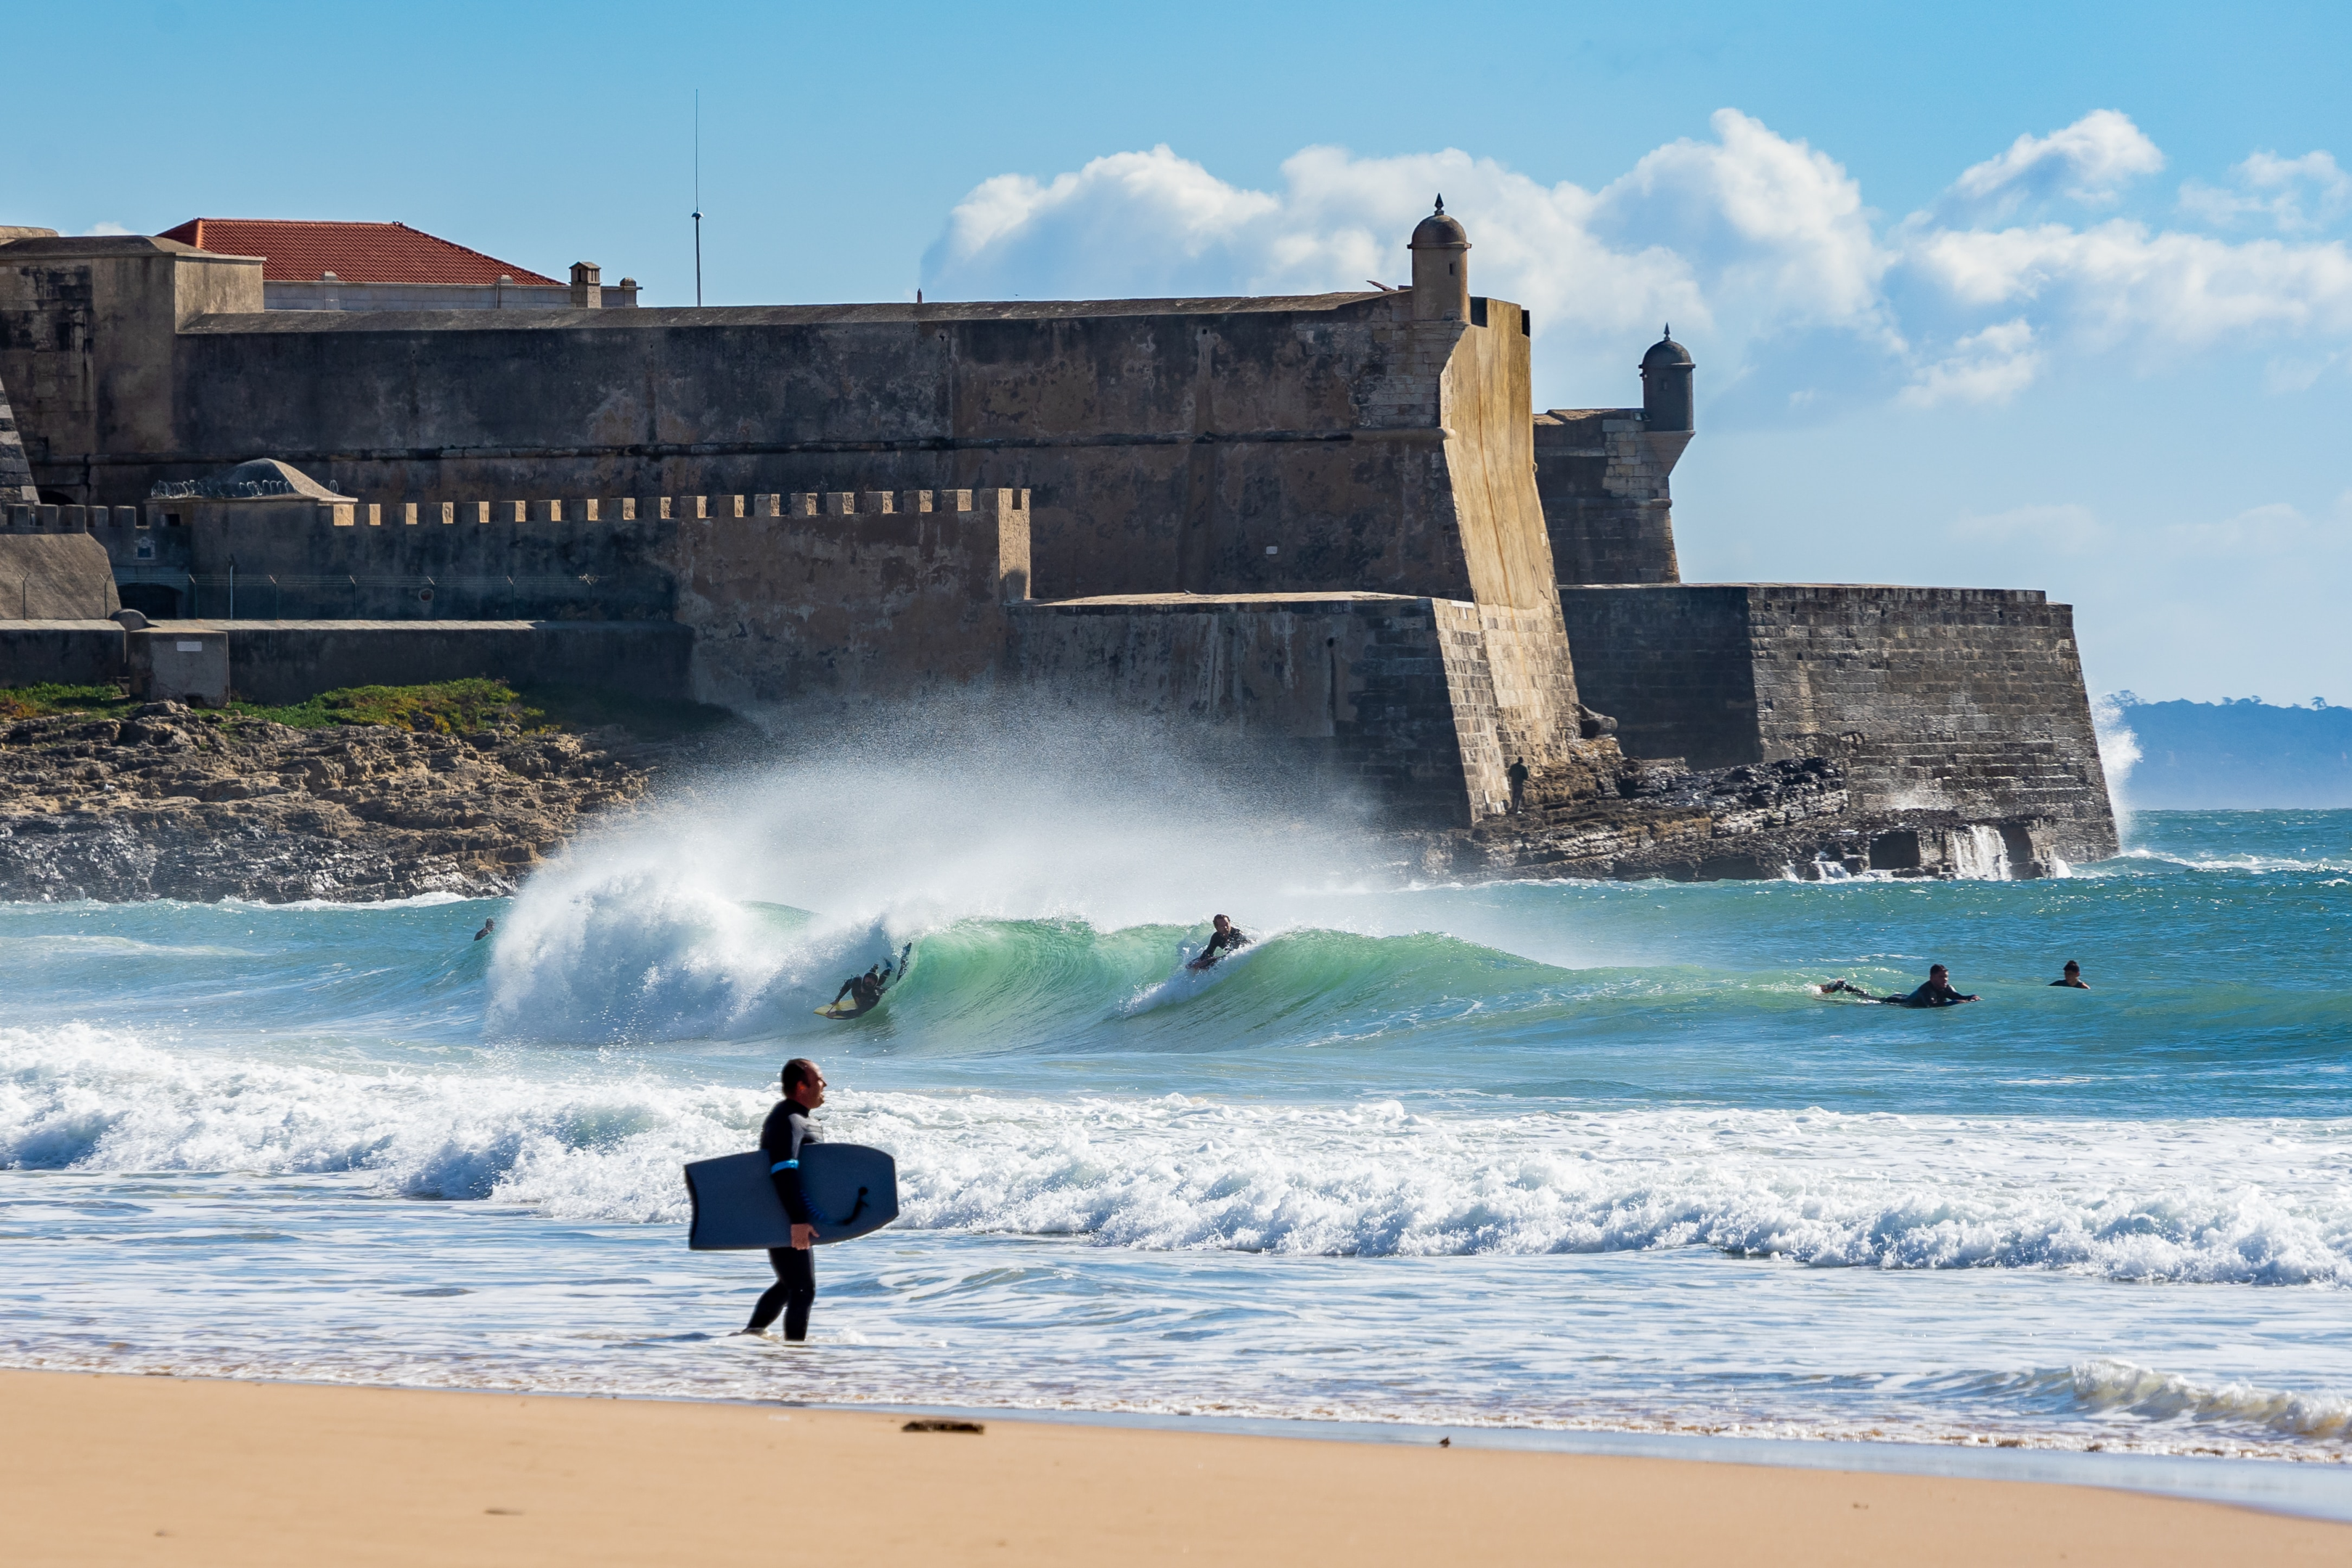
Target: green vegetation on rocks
{"x":49,"y":699}
{"x":444,"y":708}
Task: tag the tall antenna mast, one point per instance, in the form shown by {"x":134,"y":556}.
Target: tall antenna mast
{"x":697,"y":198}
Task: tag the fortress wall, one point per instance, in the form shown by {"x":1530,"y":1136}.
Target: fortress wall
{"x":293,"y":557}
{"x":288,"y":661}
{"x":89,"y":345}
{"x":1940,"y":699}
{"x":1965,"y":699}
{"x":1530,"y":682}
{"x":1379,"y":698}
{"x":1607,"y":504}
{"x":1167,"y":443}
{"x":1672,"y":666}
{"x":55,"y":577}
{"x":68,"y":652}
{"x":847,"y":597}
{"x":1269,"y":445}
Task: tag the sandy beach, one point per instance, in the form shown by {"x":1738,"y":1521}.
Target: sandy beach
{"x":109,"y":1470}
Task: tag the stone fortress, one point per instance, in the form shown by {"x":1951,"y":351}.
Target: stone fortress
{"x":1332,"y":524}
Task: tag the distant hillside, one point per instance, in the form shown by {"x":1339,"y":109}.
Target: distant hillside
{"x":2241,"y":755}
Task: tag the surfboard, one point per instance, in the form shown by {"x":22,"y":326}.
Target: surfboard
{"x":850,"y":1188}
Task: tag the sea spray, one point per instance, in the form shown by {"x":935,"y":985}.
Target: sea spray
{"x":648,"y":928}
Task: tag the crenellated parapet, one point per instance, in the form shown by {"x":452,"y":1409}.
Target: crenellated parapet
{"x":795,"y":593}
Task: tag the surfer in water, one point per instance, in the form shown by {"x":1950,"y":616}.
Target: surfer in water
{"x":1936,"y":993}
{"x":2072,"y":978}
{"x":1224,"y":939}
{"x":488,"y":927}
{"x":786,"y":1131}
{"x":865,"y":989}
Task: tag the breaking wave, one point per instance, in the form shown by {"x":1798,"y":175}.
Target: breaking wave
{"x":2257,"y":1203}
{"x":2104,"y":1384}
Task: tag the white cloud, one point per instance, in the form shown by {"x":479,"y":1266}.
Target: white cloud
{"x":2090,"y":161}
{"x":2119,"y":281}
{"x":1991,"y":366}
{"x":2296,"y":195}
{"x":1782,"y":224}
{"x":1731,"y":239}
{"x":1161,"y":212}
{"x":1760,"y":249}
{"x":107,"y":228}
{"x":2069,"y":528}
{"x":2259,"y":532}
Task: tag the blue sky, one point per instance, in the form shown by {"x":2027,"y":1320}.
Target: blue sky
{"x":2011,"y":295}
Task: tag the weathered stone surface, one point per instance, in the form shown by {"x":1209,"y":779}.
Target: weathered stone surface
{"x":291,"y":661}
{"x":1966,"y":702}
{"x":55,"y":577}
{"x":174,"y":803}
{"x":15,"y":474}
{"x":1608,"y":505}
{"x":849,"y":597}
{"x":1791,"y":819}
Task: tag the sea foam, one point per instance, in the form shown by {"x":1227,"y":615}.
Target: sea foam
{"x":2248,"y":1202}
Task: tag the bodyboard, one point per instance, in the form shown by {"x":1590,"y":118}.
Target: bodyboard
{"x":850,"y":1188}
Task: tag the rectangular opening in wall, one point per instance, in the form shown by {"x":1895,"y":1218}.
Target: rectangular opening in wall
{"x":1527,"y":324}
{"x":1477,"y":311}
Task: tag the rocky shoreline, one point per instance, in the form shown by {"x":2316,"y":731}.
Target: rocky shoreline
{"x":1632,"y":818}
{"x":169,"y":802}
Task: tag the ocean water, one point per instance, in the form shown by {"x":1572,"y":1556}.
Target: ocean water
{"x":1530,"y":1155}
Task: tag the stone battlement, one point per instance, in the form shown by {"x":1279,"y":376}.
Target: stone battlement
{"x":1334,"y":523}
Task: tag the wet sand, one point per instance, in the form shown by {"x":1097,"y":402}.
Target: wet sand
{"x":110,"y":1470}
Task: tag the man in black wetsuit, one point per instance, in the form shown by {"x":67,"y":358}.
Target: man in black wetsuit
{"x":2072,"y":978}
{"x":1936,"y":993}
{"x":787,"y":1129}
{"x":864,"y":989}
{"x":1225,"y":938}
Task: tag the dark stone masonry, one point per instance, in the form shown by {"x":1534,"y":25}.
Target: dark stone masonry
{"x":1331,"y":526}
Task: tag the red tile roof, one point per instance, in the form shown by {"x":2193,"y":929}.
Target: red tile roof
{"x":296,"y":251}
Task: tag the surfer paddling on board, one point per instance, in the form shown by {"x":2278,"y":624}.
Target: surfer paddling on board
{"x":1225,"y":938}
{"x":2072,"y":978}
{"x":786,"y":1131}
{"x":1936,"y":993}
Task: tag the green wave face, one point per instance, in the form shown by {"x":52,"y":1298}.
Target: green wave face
{"x":1062,"y":983}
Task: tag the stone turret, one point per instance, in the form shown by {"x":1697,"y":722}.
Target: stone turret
{"x":1666,"y":386}
{"x":1441,"y":269}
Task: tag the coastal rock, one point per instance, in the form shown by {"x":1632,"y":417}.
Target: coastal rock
{"x":170,"y":803}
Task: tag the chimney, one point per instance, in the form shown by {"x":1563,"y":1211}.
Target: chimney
{"x":587,"y":286}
